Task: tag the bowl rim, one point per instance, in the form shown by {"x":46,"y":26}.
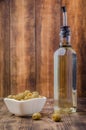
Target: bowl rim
{"x":28,"y":100}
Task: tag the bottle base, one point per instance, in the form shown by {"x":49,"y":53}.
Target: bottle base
{"x":65,"y":110}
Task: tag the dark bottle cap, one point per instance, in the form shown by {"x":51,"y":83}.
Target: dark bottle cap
{"x":63,"y":8}
{"x":65,"y":31}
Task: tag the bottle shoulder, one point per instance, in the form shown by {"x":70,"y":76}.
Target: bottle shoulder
{"x":64,"y":50}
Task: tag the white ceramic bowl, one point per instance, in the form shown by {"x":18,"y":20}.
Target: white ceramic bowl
{"x":25,"y":107}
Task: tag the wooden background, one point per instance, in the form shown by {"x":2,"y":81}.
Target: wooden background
{"x":29,"y":35}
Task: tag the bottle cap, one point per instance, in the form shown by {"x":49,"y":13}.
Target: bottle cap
{"x":65,"y":31}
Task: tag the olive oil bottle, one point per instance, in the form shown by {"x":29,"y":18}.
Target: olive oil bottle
{"x":65,"y":93}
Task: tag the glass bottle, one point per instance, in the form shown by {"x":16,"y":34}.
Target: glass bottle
{"x":65,"y":93}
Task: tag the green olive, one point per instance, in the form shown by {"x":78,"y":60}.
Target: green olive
{"x":36,"y":116}
{"x":19,"y":96}
{"x":29,"y":94}
{"x":35,"y":92}
{"x":25,"y":95}
{"x":35,"y":96}
{"x":56,"y":117}
{"x":26,"y":92}
{"x":25,"y":98}
{"x":10,"y":96}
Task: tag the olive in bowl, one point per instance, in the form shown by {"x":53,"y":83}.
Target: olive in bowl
{"x":21,"y":106}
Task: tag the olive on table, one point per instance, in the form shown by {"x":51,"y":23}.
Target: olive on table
{"x":36,"y":116}
{"x":56,"y":117}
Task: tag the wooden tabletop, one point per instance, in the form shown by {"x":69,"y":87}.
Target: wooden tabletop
{"x":76,"y":121}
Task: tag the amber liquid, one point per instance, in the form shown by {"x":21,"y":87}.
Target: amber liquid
{"x":65,"y":93}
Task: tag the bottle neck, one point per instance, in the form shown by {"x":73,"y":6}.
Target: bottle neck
{"x":65,"y":41}
{"x":65,"y":36}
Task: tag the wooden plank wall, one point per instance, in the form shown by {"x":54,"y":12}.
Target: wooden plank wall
{"x":4,"y":48}
{"x":47,"y":40}
{"x":22,"y":45}
{"x":29,"y":35}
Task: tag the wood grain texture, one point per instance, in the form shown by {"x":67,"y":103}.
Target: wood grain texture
{"x":77,"y":21}
{"x":29,"y":35}
{"x":47,"y":41}
{"x":22,"y":45}
{"x":76,"y":121}
{"x":4,"y":48}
